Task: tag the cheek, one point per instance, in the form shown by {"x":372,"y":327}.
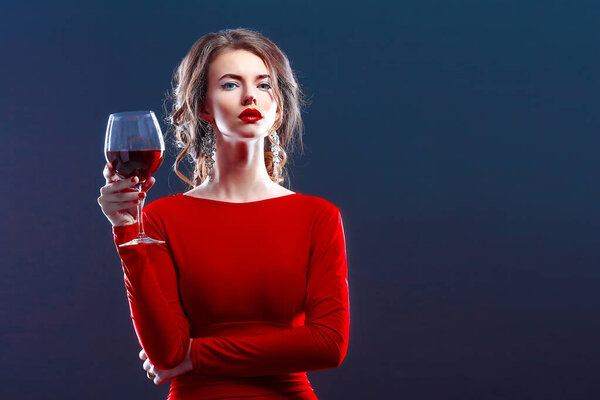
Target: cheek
{"x":223,"y":107}
{"x":271,"y":104}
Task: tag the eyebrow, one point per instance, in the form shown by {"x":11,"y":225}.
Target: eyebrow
{"x":239,"y":78}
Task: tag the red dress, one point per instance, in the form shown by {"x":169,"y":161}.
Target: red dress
{"x":261,"y":289}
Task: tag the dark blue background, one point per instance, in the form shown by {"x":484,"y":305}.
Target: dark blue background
{"x":458,"y":138}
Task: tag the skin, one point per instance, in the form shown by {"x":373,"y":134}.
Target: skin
{"x":240,"y":171}
{"x":160,"y":376}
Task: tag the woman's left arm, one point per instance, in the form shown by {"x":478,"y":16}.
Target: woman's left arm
{"x":321,"y":343}
{"x":160,"y":376}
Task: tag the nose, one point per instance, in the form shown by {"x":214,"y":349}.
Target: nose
{"x":249,"y":100}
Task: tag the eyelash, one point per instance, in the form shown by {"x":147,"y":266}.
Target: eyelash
{"x":231,"y":83}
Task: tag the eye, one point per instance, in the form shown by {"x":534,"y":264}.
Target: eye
{"x":225,"y":85}
{"x":265,"y":84}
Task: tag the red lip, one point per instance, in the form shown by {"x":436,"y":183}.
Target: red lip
{"x":250,"y":112}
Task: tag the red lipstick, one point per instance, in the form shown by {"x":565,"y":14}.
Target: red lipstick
{"x":250,"y":115}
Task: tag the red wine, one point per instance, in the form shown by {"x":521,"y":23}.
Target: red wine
{"x":140,"y":163}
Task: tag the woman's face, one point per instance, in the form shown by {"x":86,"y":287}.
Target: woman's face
{"x":239,"y":80}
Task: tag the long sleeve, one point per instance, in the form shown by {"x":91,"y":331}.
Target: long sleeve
{"x":322,"y":341}
{"x":160,"y":323}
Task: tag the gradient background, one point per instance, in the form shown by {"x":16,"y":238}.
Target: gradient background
{"x":458,"y":138}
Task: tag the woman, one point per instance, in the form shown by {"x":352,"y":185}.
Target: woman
{"x":250,"y":290}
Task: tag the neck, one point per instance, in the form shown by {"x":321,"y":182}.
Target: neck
{"x":240,"y":171}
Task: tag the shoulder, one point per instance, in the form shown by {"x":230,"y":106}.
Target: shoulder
{"x":320,"y":204}
{"x":323,"y":212}
{"x":163,"y":206}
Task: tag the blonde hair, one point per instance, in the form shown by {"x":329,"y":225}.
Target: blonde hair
{"x":189,"y":95}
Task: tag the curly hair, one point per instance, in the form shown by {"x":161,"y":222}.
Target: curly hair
{"x":189,"y":89}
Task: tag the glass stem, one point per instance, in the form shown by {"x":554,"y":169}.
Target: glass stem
{"x":140,"y":205}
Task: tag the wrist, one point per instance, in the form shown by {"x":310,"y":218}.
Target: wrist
{"x":188,"y":358}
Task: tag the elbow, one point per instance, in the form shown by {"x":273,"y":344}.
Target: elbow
{"x":331,"y":358}
{"x":334,"y":353}
{"x":165,"y":353}
{"x":340,"y":354}
{"x":166,"y":359}
{"x":332,"y":346}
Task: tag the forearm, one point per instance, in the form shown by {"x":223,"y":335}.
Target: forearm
{"x":160,"y":325}
{"x":300,"y":349}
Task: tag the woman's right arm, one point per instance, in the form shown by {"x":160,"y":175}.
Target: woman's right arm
{"x":150,"y":276}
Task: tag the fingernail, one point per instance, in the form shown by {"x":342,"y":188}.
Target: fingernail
{"x":142,"y":195}
{"x":134,"y":179}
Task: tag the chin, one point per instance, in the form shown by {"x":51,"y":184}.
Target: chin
{"x":247,"y":134}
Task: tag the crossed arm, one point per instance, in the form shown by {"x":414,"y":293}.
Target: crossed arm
{"x":162,"y":326}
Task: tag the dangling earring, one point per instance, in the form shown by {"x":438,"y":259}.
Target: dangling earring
{"x":209,"y":147}
{"x":276,"y":158}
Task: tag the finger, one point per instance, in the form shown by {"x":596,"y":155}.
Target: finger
{"x":114,"y":209}
{"x":147,"y":365}
{"x":143,"y":355}
{"x":148,"y":183}
{"x":109,"y":173}
{"x":119,"y":186}
{"x":153,"y":374}
{"x":121,"y":197}
{"x":111,"y":205}
{"x":157,"y":380}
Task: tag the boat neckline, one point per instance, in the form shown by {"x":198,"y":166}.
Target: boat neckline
{"x":236,"y":204}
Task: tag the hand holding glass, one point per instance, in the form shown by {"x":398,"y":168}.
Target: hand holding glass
{"x":134,"y":146}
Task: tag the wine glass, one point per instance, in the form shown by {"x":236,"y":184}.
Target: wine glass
{"x":134,"y":146}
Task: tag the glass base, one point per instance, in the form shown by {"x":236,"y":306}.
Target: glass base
{"x":142,"y":240}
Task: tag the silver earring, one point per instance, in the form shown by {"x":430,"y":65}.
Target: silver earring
{"x":275,"y":151}
{"x":209,"y":147}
